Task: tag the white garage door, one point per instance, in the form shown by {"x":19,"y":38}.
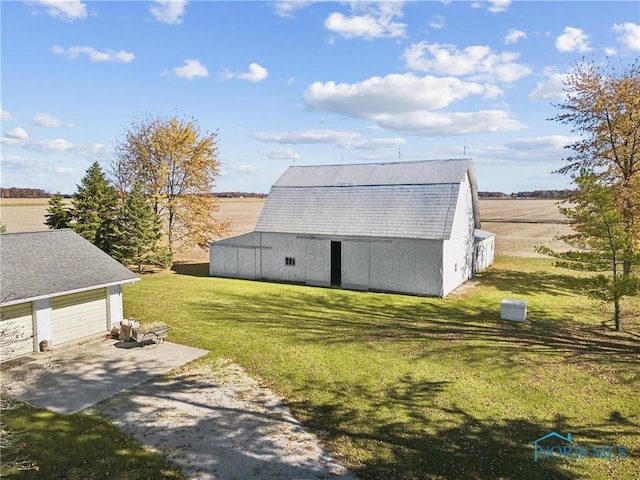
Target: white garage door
{"x":79,"y":315}
{"x":16,"y":331}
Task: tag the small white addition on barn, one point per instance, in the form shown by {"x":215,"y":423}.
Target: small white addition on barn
{"x":405,"y":227}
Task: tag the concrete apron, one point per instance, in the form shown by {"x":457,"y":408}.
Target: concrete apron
{"x":73,"y":378}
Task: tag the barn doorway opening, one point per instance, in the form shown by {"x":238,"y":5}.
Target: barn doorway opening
{"x":336,"y":264}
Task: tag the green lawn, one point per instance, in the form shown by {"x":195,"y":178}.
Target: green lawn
{"x":409,"y":387}
{"x":77,"y":447}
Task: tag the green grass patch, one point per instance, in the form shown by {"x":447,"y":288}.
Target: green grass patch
{"x":77,"y":447}
{"x":410,"y":387}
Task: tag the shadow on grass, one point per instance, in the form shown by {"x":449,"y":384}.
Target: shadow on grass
{"x":191,"y":269}
{"x":469,"y":325}
{"x":78,"y":447}
{"x":448,"y":442}
{"x":535,"y":283}
{"x":413,"y":428}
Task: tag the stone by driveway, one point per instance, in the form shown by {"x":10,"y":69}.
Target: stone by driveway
{"x":73,"y":378}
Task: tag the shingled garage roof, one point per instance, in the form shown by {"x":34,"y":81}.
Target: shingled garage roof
{"x":398,"y":199}
{"x":51,"y":263}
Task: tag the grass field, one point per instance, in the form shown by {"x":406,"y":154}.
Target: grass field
{"x":417,"y":388}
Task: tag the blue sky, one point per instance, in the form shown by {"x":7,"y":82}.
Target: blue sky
{"x":301,"y":82}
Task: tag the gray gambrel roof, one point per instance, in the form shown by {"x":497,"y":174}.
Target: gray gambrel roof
{"x":397,"y":199}
{"x":44,"y":264}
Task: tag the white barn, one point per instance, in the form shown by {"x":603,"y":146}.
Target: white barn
{"x":406,"y":227}
{"x":56,"y":286}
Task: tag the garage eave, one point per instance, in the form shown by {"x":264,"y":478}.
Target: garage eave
{"x":68,"y":292}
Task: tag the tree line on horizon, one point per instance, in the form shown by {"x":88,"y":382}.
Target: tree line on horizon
{"x":14,"y":192}
{"x":535,"y":194}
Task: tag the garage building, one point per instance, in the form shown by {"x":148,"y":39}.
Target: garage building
{"x":58,"y":287}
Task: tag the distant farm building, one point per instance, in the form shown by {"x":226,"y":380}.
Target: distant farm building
{"x":406,"y":227}
{"x":56,"y":287}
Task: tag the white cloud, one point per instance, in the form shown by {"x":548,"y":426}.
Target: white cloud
{"x":437,"y":22}
{"x":432,"y":124}
{"x":94,"y":55}
{"x":308,"y":137}
{"x":342,"y":139}
{"x":169,"y":11}
{"x":377,"y":143}
{"x":192,"y":69}
{"x":15,"y":161}
{"x":247,"y":168}
{"x":551,"y":142}
{"x":68,"y":10}
{"x":48,"y":121}
{"x":368,"y":21}
{"x":256,"y":73}
{"x":280,"y":154}
{"x":286,"y":9}
{"x":573,"y":40}
{"x":497,"y":6}
{"x":550,"y":89}
{"x":4,"y":115}
{"x":514,"y":36}
{"x":92,"y":151}
{"x":394,"y":93}
{"x":57,"y":145}
{"x":628,"y":34}
{"x":478,"y":62}
{"x":18,"y":133}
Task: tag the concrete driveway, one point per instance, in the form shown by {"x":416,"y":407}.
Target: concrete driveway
{"x":73,"y":378}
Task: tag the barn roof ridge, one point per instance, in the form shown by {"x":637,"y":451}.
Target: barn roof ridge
{"x":387,"y":162}
{"x":392,"y":199}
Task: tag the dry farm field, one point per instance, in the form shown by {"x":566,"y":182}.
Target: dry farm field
{"x":519,"y":225}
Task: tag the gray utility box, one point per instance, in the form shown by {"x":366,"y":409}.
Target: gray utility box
{"x":514,"y":310}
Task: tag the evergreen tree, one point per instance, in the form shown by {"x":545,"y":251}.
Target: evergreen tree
{"x":58,"y":216}
{"x":137,"y":232}
{"x":95,"y":208}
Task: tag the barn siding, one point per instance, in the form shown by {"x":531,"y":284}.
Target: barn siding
{"x":317,"y":260}
{"x":393,"y":265}
{"x":236,"y":257}
{"x":395,"y":235}
{"x":484,"y":250}
{"x":355,"y":264}
{"x":458,"y":251}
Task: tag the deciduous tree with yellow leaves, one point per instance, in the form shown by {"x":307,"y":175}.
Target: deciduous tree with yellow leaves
{"x":176,"y":167}
{"x":603,"y":106}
